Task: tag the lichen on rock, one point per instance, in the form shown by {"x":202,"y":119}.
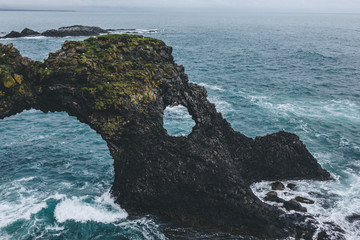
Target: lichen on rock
{"x":120,"y":85}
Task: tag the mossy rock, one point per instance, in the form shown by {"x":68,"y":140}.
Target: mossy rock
{"x":8,"y":81}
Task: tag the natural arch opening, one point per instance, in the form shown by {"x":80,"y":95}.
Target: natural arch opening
{"x":178,"y":121}
{"x":55,"y":174}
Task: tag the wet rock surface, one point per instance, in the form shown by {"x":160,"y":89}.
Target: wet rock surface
{"x":291,"y":186}
{"x":294,"y":205}
{"x":273,"y":197}
{"x":277,"y":186}
{"x":355,"y":217}
{"x":120,"y":85}
{"x":304,"y":200}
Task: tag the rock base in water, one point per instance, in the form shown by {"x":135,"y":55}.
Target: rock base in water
{"x":120,"y":85}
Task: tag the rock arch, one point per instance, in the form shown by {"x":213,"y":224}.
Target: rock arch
{"x":119,"y":86}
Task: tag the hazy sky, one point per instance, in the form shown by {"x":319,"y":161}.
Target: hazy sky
{"x":280,"y":5}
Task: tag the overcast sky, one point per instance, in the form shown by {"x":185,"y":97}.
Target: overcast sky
{"x":280,"y":5}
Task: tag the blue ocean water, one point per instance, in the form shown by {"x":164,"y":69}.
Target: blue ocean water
{"x":265,"y":72}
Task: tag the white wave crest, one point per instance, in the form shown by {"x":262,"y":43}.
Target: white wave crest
{"x":102,"y":210}
{"x":212,"y":87}
{"x":125,"y":31}
{"x":11,"y":212}
{"x":177,"y":112}
{"x":332,"y":109}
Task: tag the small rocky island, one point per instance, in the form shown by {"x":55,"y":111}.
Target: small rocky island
{"x":120,"y":85}
{"x":73,"y":31}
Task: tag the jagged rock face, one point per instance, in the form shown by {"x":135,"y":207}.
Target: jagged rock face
{"x":29,"y":32}
{"x":120,"y":85}
{"x":76,"y":30}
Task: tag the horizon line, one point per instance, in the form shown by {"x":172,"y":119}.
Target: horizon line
{"x":33,"y":10}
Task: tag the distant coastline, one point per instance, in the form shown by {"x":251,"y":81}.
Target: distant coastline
{"x":33,"y":10}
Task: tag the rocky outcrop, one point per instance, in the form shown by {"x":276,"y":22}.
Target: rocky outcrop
{"x":76,"y":30}
{"x":120,"y":85}
{"x":273,"y":197}
{"x":73,"y":31}
{"x":26,"y":32}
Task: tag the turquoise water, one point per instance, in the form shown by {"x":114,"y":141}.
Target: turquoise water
{"x":265,"y":72}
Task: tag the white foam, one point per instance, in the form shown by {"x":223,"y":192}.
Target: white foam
{"x":338,"y":109}
{"x":145,"y":226}
{"x":212,"y":87}
{"x":4,"y":235}
{"x":35,"y":37}
{"x":24,"y":202}
{"x":254,"y":98}
{"x":102,"y":210}
{"x":177,"y":113}
{"x":56,"y":196}
{"x":334,"y":200}
{"x":221,"y":105}
{"x":29,"y":37}
{"x":11,"y":212}
{"x":38,"y":138}
{"x":122,"y":31}
{"x":54,"y":228}
{"x":25,"y":179}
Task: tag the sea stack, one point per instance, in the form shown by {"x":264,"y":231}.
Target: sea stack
{"x":120,"y":85}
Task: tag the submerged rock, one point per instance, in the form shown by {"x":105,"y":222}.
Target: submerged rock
{"x":120,"y":85}
{"x":304,"y":200}
{"x":353,"y":217}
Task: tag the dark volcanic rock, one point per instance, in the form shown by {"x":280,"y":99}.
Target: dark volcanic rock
{"x":291,"y":186}
{"x":294,"y":205}
{"x":76,"y":30}
{"x":353,"y":217}
{"x":13,"y":34}
{"x":277,"y":186}
{"x":29,"y":32}
{"x":120,"y":85}
{"x":273,"y":197}
{"x":24,"y":33}
{"x":304,"y":200}
{"x":330,"y":231}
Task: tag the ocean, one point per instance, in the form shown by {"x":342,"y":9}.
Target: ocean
{"x":265,"y":72}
